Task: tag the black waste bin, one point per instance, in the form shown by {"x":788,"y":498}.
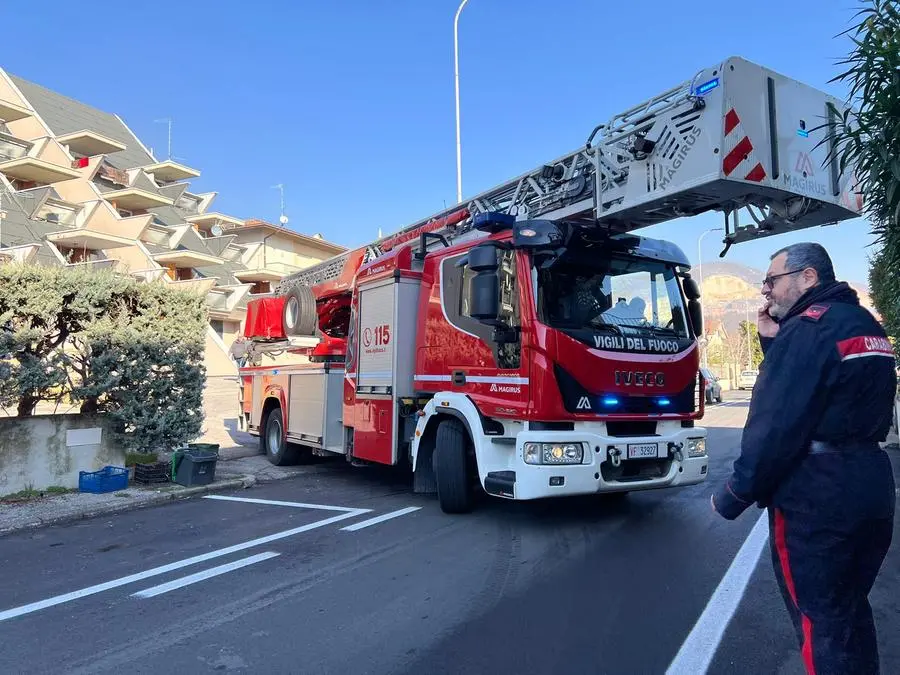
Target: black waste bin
{"x":194,"y":466}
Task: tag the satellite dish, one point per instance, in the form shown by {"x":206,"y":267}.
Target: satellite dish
{"x":216,"y":230}
{"x":283,"y":219}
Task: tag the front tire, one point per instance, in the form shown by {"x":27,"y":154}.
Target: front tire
{"x":278,"y":452}
{"x":451,"y":455}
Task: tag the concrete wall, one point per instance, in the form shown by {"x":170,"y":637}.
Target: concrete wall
{"x":216,"y":359}
{"x":46,"y":450}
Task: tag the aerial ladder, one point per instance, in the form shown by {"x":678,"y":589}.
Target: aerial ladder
{"x":736,"y":137}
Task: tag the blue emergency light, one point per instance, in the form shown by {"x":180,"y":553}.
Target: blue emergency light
{"x":610,"y":401}
{"x":493,"y":221}
{"x":707,"y":87}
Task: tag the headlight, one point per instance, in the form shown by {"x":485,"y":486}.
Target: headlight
{"x":553,"y":453}
{"x":696,"y":447}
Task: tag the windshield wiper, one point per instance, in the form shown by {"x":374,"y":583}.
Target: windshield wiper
{"x":659,"y":330}
{"x":608,"y":326}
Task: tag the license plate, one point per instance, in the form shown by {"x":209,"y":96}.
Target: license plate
{"x":642,"y":450}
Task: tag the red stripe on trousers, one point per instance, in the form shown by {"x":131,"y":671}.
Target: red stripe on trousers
{"x":731,"y":121}
{"x":781,"y":547}
{"x":738,"y":155}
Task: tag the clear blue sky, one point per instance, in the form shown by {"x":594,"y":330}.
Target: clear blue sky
{"x":351,"y":105}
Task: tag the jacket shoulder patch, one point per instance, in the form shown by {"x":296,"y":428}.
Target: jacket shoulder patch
{"x":815,"y":312}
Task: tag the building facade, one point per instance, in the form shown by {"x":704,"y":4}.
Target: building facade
{"x":78,"y":187}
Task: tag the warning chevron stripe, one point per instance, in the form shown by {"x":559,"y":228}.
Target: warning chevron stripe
{"x":740,"y":152}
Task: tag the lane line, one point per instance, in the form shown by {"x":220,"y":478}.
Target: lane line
{"x":156,"y":571}
{"x":205,"y":574}
{"x":272,"y":502}
{"x":702,"y":642}
{"x":380,"y":519}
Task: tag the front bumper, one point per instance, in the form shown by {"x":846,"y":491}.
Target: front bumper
{"x":599,"y":471}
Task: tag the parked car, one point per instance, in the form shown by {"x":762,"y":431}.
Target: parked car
{"x":747,"y":380}
{"x":713,"y":388}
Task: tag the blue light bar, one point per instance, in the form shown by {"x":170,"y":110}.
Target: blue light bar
{"x":493,"y":221}
{"x":664,"y":401}
{"x":707,"y":87}
{"x":610,"y":400}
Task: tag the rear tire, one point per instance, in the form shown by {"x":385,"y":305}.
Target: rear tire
{"x":451,"y":459}
{"x":278,"y":452}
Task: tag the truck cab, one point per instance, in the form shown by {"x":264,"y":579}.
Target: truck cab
{"x":566,"y":361}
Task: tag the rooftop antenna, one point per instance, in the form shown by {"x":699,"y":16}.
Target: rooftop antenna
{"x":283,"y":219}
{"x":167,"y":120}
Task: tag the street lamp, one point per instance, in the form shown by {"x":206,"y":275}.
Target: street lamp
{"x":456,"y":71}
{"x":700,"y":278}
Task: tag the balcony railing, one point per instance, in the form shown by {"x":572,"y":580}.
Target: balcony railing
{"x":56,"y":214}
{"x":12,"y":149}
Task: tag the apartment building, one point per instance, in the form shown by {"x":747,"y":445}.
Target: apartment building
{"x":78,"y":187}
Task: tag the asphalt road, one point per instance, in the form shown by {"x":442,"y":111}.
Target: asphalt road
{"x":573,"y":586}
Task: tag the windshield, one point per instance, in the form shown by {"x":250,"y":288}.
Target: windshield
{"x":617,"y":295}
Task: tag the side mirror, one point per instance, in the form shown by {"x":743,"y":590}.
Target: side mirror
{"x":691,"y":289}
{"x":484,"y":288}
{"x":695,"y":312}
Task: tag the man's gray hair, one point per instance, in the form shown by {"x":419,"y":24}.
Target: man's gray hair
{"x":808,"y":254}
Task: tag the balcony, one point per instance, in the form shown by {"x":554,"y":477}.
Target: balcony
{"x":10,"y":112}
{"x":169,"y":171}
{"x":207,"y":220}
{"x":201,"y":285}
{"x":188,"y":202}
{"x":23,"y":253}
{"x":135,"y":199}
{"x":84,"y":256}
{"x":58,"y":212}
{"x":185,"y":258}
{"x":270,"y":271}
{"x":90,"y":143}
{"x":84,"y":239}
{"x":17,"y":164}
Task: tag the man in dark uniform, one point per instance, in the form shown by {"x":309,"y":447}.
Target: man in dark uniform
{"x":810,"y":454}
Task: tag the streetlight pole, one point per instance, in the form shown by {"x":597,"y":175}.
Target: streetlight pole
{"x":700,"y":279}
{"x":456,"y":74}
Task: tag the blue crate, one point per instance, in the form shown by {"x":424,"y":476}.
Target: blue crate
{"x":107,"y":479}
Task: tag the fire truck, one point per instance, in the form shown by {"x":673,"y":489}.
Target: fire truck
{"x":527,"y":343}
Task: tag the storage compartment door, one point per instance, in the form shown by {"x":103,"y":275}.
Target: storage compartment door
{"x":376,"y":340}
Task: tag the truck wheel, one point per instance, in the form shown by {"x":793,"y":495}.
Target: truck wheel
{"x":299,"y":315}
{"x":451,"y":467}
{"x":278,"y":452}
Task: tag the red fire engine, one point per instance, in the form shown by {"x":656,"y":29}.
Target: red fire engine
{"x":526,"y":343}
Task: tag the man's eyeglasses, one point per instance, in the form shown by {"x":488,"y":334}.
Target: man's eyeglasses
{"x":770,"y":280}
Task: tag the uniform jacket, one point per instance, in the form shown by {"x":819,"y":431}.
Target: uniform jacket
{"x":828,"y":375}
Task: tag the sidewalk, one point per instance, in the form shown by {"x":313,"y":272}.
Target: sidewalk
{"x":237,"y":467}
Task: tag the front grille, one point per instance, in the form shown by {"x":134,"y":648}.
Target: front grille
{"x":631,"y":428}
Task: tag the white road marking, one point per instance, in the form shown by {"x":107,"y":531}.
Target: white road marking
{"x":380,"y":519}
{"x":156,"y":571}
{"x":296,"y":505}
{"x":702,"y":642}
{"x":205,"y":574}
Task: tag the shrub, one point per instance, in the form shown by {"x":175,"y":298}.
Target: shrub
{"x":110,"y":343}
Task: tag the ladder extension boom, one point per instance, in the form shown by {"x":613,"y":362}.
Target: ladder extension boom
{"x":735,"y":136}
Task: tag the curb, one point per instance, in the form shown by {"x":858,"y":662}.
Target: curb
{"x":244,"y":481}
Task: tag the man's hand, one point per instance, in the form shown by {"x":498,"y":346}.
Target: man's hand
{"x":765,"y":324}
